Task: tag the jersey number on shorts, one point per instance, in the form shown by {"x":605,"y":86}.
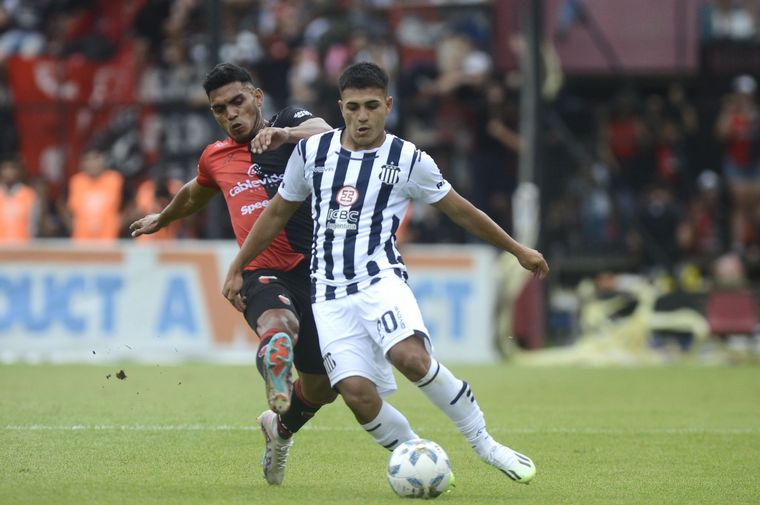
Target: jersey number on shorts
{"x":387,"y":322}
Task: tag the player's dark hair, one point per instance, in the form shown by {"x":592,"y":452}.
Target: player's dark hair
{"x":223,"y":74}
{"x":363,"y":75}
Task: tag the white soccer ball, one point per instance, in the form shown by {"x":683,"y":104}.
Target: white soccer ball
{"x":419,"y":469}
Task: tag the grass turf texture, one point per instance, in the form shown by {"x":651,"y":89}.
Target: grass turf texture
{"x":186,"y":435}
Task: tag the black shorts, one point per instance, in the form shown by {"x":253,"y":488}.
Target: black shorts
{"x":274,"y":289}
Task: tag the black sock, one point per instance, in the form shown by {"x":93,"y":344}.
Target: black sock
{"x":298,"y":414}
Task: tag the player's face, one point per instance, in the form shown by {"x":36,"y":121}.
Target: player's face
{"x":364,"y":112}
{"x":237,"y":108}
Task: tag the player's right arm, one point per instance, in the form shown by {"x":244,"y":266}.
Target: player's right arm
{"x":191,"y":198}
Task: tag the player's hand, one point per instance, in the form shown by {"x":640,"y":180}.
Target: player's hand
{"x":269,"y":138}
{"x":231,"y":290}
{"x":533,"y":261}
{"x":145,"y":226}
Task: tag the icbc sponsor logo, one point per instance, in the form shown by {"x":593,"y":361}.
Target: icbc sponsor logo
{"x":342,"y":219}
{"x":343,"y":215}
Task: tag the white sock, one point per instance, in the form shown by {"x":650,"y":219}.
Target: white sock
{"x":455,"y":399}
{"x":390,"y":427}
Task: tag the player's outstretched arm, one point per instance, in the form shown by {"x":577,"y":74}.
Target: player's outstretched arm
{"x":191,"y":198}
{"x":477,"y":222}
{"x":264,"y":231}
{"x":271,"y":137}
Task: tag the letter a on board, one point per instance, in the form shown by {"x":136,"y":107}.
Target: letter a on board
{"x":177,"y":310}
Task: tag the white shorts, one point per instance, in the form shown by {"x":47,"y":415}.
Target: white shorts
{"x":356,"y":331}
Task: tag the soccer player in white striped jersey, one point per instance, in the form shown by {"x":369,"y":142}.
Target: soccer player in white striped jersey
{"x":361,"y":180}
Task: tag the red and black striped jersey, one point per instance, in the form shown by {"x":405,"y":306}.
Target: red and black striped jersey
{"x":248,"y":181}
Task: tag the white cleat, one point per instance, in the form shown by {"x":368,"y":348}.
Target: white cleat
{"x":276,"y":449}
{"x":516,"y":466}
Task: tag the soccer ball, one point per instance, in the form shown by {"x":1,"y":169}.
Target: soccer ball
{"x":419,"y":469}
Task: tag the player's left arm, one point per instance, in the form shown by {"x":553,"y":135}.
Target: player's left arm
{"x":272,"y":137}
{"x":477,"y":222}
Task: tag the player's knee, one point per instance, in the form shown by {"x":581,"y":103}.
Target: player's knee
{"x":280,"y":320}
{"x":413,"y":361}
{"x":359,"y":394}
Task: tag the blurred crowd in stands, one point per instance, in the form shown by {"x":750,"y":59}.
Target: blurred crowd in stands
{"x":657,"y":171}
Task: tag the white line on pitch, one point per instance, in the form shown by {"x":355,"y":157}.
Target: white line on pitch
{"x":228,"y":427}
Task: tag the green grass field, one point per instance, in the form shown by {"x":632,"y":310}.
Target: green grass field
{"x":187,"y":435}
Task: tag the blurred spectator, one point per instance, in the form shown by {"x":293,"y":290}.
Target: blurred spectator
{"x":96,"y":29}
{"x":670,"y":121}
{"x":51,"y":221}
{"x":671,"y":162}
{"x":153,"y":194}
{"x":601,"y":229}
{"x":425,"y":225}
{"x":93,"y":207}
{"x":738,"y":128}
{"x":682,"y":111}
{"x":677,"y":106}
{"x":625,"y":142}
{"x":280,"y":33}
{"x":729,"y":271}
{"x":729,"y":19}
{"x":561,"y":225}
{"x":8,"y":136}
{"x":495,"y":149}
{"x":303,"y":79}
{"x":19,"y":204}
{"x":19,"y":30}
{"x":704,"y":232}
{"x":656,"y":236}
{"x":460,"y":63}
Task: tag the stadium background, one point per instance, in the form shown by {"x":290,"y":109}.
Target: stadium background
{"x":586,"y":128}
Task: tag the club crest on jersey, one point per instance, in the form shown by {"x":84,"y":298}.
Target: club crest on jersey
{"x":347,"y":196}
{"x":254,"y":169}
{"x":389,"y":173}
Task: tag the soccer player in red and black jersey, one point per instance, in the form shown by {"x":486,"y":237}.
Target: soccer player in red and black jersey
{"x":247,"y":167}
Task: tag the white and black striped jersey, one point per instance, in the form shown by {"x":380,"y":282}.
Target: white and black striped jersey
{"x":358,"y":199}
